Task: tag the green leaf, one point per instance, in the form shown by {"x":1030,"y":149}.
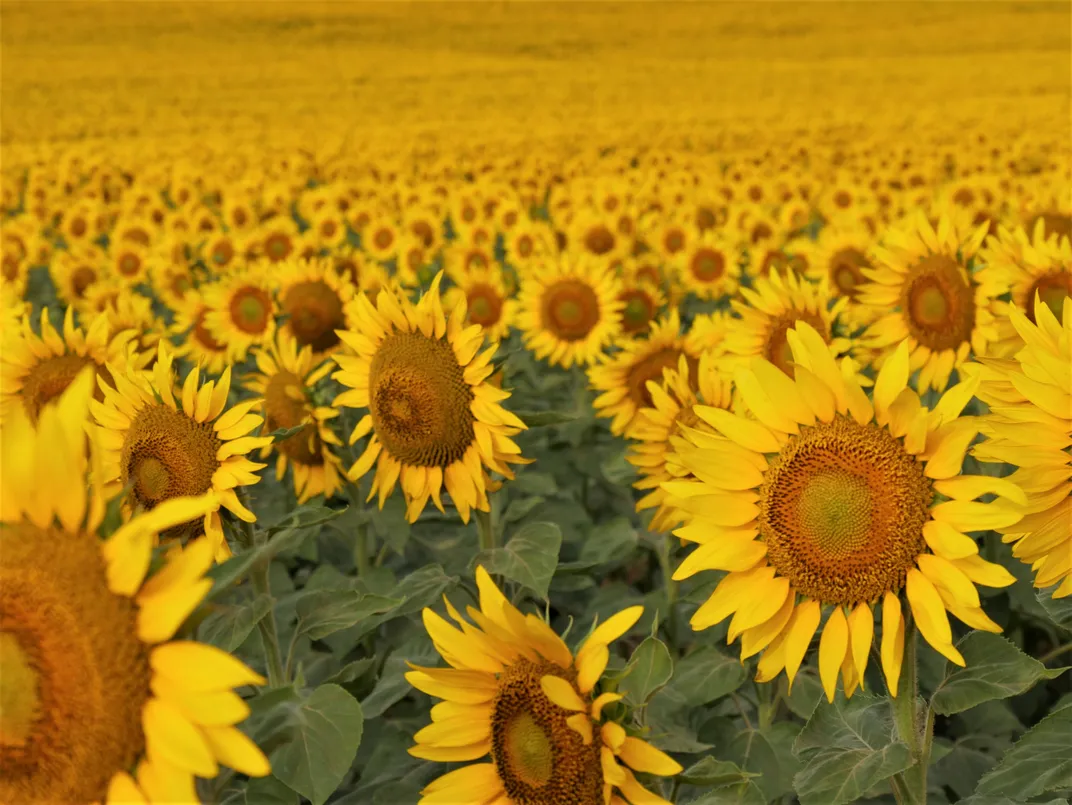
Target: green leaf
{"x":264,"y":791}
{"x":705,"y":675}
{"x":282,"y":434}
{"x":649,"y":669}
{"x":847,"y":747}
{"x":529,"y":558}
{"x":303,"y":517}
{"x":328,"y":731}
{"x":712,"y":773}
{"x":995,"y":669}
{"x":982,"y":800}
{"x":755,"y":751}
{"x":519,"y":509}
{"x":610,"y":541}
{"x":540,"y":419}
{"x":329,"y":611}
{"x":351,"y":671}
{"x":1040,"y":761}
{"x":228,"y":626}
{"x":1059,"y":610}
{"x":392,"y":686}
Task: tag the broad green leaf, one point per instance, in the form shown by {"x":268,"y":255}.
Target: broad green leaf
{"x":610,"y":541}
{"x":960,"y":768}
{"x":978,"y":799}
{"x":1059,"y":610}
{"x":420,"y":589}
{"x":847,"y":747}
{"x":326,"y":612}
{"x":328,"y":727}
{"x":995,"y":669}
{"x":755,"y":751}
{"x":351,"y":671}
{"x":392,"y":686}
{"x":649,"y":669}
{"x":712,"y":773}
{"x":228,"y":626}
{"x":520,"y":508}
{"x":705,"y":675}
{"x":746,"y":792}
{"x":308,"y":516}
{"x":264,"y":791}
{"x":529,"y":558}
{"x":1040,"y":761}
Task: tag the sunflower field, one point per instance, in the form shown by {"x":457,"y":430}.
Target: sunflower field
{"x":535,"y":404}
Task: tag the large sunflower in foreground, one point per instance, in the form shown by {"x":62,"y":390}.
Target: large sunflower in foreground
{"x":517,"y":694}
{"x":284,"y":377}
{"x":434,"y":419}
{"x":163,"y":441}
{"x":922,"y":275}
{"x":622,"y":378}
{"x":827,"y":500}
{"x":569,"y":310}
{"x":35,"y":369}
{"x":1030,"y":427}
{"x":770,"y":308}
{"x":94,"y":686}
{"x":658,"y":430}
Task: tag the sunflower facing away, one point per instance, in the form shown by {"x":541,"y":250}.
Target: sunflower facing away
{"x":922,"y":275}
{"x":100,"y":704}
{"x":516,"y":692}
{"x":1030,"y":427}
{"x":35,"y":369}
{"x":164,"y":441}
{"x":658,"y":430}
{"x":569,"y":310}
{"x":434,"y":419}
{"x":825,"y":500}
{"x":623,"y":378}
{"x":283,"y":379}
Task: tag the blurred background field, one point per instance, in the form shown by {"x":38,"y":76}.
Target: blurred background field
{"x":401,"y":73}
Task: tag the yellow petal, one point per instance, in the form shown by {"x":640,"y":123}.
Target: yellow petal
{"x":642,"y":756}
{"x":832,"y":647}
{"x":122,"y":790}
{"x":171,"y":736}
{"x":861,"y":632}
{"x":233,"y":748}
{"x":798,"y":635}
{"x":892,"y":651}
{"x":562,"y":693}
{"x":200,"y":667}
{"x":929,"y":613}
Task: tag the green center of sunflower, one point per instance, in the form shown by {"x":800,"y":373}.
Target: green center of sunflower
{"x":539,"y":758}
{"x":845,"y":270}
{"x":129,"y":265}
{"x":20,"y":699}
{"x":842,"y":509}
{"x":939,"y":303}
{"x":708,"y":265}
{"x":315,"y":312}
{"x":250,"y":310}
{"x":419,"y":401}
{"x":167,"y":454}
{"x":277,"y":246}
{"x":570,"y":309}
{"x":638,"y":310}
{"x":485,"y":306}
{"x":75,"y":675}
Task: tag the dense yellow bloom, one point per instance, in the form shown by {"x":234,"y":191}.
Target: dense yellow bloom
{"x":241,"y":311}
{"x":164,"y":441}
{"x":434,"y":419}
{"x":516,"y":692}
{"x":1030,"y":427}
{"x":99,"y":686}
{"x":825,"y":499}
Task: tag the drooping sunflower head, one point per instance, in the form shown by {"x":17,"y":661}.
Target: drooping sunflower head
{"x":569,"y":310}
{"x":622,"y":379}
{"x":434,"y":419}
{"x":165,"y":441}
{"x":35,"y":368}
{"x":519,"y":695}
{"x":926,"y":294}
{"x":313,"y":297}
{"x":822,"y":498}
{"x":1030,"y":427}
{"x":659,"y":428}
{"x":285,"y":375}
{"x":94,"y":686}
{"x":241,"y":310}
{"x":771,"y":308}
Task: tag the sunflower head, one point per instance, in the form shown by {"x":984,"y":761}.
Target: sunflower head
{"x":313,"y":297}
{"x":525,"y":701}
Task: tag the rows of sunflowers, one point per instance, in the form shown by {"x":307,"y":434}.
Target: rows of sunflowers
{"x":605,"y":474}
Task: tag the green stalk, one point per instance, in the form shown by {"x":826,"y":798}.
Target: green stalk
{"x":261,"y":586}
{"x":917,"y":734}
{"x":671,"y":590}
{"x":485,"y":529}
{"x":361,"y":547}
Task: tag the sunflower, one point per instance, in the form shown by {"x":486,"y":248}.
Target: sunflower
{"x":770,"y":308}
{"x":623,"y":378}
{"x":942,"y":310}
{"x":1030,"y":427}
{"x":166,"y":441}
{"x":223,"y":250}
{"x":825,"y":499}
{"x":198,"y":343}
{"x":241,"y":311}
{"x":487,"y":302}
{"x":380,"y":238}
{"x":710,"y":267}
{"x":35,"y":369}
{"x":641,"y":303}
{"x":840,"y":256}
{"x":569,"y":310}
{"x":74,"y":272}
{"x":97,"y":686}
{"x":434,"y":419}
{"x":517,"y":694}
{"x":708,"y":331}
{"x":276,"y":239}
{"x":129,"y":263}
{"x":658,"y":429}
{"x":284,"y":379}
{"x":313,"y":297}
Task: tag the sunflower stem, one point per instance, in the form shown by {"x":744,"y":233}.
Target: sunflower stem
{"x":361,"y":548}
{"x":917,"y":735}
{"x":485,"y":529}
{"x":258,"y":575}
{"x":671,"y":590}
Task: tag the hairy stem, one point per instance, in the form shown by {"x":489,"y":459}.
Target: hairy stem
{"x":916,"y":734}
{"x":485,"y":529}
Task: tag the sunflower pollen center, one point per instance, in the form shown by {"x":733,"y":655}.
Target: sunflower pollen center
{"x":529,"y":749}
{"x":939,"y":303}
{"x":835,"y":511}
{"x":20,"y":698}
